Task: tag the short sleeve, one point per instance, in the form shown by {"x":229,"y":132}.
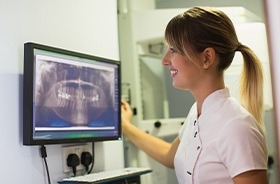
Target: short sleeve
{"x":242,"y":146}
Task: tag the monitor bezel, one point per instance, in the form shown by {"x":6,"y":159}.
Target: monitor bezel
{"x":28,"y":93}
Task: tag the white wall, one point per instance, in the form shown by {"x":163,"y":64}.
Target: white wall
{"x":88,"y":26}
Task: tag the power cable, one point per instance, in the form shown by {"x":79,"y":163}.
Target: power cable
{"x":44,"y":155}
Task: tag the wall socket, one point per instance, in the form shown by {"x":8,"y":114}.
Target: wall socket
{"x":77,"y":149}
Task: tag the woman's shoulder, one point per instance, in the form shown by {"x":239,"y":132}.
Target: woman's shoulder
{"x":241,"y":126}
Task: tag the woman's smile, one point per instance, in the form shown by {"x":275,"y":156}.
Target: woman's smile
{"x":173,"y":72}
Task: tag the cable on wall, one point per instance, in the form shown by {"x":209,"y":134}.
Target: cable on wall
{"x":44,"y":155}
{"x":93,"y":158}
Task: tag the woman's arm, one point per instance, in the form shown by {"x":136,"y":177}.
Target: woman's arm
{"x":252,"y":177}
{"x":156,"y":148}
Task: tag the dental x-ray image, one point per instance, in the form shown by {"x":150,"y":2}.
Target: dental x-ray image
{"x":69,"y":95}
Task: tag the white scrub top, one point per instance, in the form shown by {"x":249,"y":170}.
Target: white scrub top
{"x":223,"y":142}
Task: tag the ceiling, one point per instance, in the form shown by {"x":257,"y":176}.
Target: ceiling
{"x":255,"y":6}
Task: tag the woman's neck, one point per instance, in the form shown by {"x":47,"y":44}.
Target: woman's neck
{"x":201,"y":94}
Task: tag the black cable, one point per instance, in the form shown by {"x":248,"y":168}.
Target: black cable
{"x":93,"y":158}
{"x":44,"y":155}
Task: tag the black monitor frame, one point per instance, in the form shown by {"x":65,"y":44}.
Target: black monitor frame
{"x":28,"y":96}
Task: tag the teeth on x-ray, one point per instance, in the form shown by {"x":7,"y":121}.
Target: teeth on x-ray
{"x":63,"y":95}
{"x":66,"y":93}
{"x":95,"y":98}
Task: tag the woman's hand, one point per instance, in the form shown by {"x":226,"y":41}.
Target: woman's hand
{"x":126,"y":114}
{"x":155,"y":147}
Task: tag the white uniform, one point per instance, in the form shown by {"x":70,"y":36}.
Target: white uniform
{"x":223,"y":142}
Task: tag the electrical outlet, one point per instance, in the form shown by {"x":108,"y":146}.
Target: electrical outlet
{"x":77,"y":149}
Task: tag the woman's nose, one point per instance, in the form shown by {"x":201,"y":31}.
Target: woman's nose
{"x":165,"y":60}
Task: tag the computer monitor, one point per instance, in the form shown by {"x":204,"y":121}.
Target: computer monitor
{"x":69,"y":97}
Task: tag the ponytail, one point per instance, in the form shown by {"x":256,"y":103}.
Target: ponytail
{"x":251,"y":86}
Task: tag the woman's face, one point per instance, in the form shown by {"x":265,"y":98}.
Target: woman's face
{"x":185,"y":74}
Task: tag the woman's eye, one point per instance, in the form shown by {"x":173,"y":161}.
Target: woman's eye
{"x":172,"y":50}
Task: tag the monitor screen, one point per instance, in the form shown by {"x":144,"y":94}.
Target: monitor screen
{"x":69,"y":97}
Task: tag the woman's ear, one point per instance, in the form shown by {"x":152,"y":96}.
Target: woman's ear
{"x":209,"y":57}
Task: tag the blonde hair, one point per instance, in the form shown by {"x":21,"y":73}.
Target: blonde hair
{"x":198,"y":28}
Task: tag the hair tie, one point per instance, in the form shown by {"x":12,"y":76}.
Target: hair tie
{"x":239,"y":45}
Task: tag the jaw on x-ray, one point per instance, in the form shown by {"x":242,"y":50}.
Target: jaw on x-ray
{"x":69,"y":95}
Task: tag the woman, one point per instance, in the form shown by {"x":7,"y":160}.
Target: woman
{"x":221,"y":141}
